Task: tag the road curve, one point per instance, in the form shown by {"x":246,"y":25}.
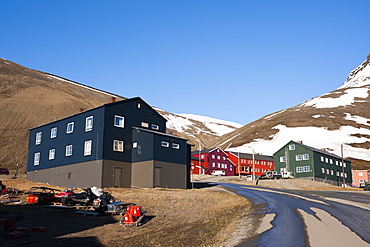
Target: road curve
{"x":304,"y":218}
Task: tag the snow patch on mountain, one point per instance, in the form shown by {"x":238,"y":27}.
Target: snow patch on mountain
{"x":360,"y":76}
{"x":357,"y":119}
{"x":348,"y":97}
{"x":220,"y":127}
{"x":318,"y":137}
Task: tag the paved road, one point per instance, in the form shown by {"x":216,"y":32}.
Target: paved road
{"x":305,"y":218}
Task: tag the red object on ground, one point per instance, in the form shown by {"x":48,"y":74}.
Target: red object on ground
{"x":33,"y":199}
{"x":39,"y":229}
{"x":15,"y":234}
{"x":10,"y":225}
{"x":128,"y":219}
{"x":136,"y":211}
{"x":22,"y":229}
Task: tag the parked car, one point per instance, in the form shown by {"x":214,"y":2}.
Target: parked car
{"x":41,"y":195}
{"x":250,"y":177}
{"x":4,"y":171}
{"x":218,"y":173}
{"x":271,"y":175}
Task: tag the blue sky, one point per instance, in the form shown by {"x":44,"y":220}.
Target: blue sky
{"x":232,"y":60}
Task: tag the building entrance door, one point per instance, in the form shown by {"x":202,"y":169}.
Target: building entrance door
{"x":117,"y":177}
{"x":158,"y":177}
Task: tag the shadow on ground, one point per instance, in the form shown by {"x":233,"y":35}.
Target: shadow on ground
{"x":201,"y":185}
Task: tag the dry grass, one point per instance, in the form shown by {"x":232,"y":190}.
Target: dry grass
{"x":196,"y":217}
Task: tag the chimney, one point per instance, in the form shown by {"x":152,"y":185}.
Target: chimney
{"x":112,"y":99}
{"x":300,"y":141}
{"x":80,"y":109}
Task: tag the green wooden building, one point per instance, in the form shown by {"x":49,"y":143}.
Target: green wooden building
{"x":311,"y":163}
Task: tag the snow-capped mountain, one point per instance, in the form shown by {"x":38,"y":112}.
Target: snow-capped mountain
{"x":29,"y":98}
{"x":199,"y":130}
{"x":341,"y":117}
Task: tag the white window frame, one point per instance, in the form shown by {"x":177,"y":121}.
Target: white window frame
{"x":155,"y":126}
{"x":298,"y":157}
{"x":134,"y":145}
{"x":292,"y":147}
{"x":121,"y":121}
{"x":305,"y":156}
{"x":145,"y":124}
{"x":118,"y":146}
{"x":175,"y":146}
{"x":322,"y":170}
{"x":322,"y":159}
{"x":89,"y":123}
{"x":53,"y":132}
{"x":165,"y":144}
{"x":306,"y":169}
{"x":70,"y":127}
{"x":299,"y":169}
{"x":69,"y":150}
{"x":36,"y":159}
{"x":87,"y":147}
{"x":38,"y":138}
{"x":52,"y":154}
{"x":282,"y":159}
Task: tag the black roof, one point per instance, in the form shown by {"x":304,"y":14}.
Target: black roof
{"x":321,"y":151}
{"x":250,"y":156}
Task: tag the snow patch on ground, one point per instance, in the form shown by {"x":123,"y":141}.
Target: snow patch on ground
{"x":317,"y":137}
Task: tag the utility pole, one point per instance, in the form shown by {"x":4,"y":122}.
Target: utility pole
{"x":341,"y":150}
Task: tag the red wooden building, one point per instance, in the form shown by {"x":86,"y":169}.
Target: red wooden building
{"x":244,"y":163}
{"x":197,"y":166}
{"x":216,"y":162}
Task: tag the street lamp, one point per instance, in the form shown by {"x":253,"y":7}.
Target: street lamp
{"x":253,"y":172}
{"x":200,"y":160}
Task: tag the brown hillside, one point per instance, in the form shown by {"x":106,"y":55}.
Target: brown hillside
{"x":29,"y":98}
{"x":300,"y":117}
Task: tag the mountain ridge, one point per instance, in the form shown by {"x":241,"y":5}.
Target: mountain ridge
{"x":30,"y":98}
{"x":340,"y":117}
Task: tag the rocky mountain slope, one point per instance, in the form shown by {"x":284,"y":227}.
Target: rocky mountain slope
{"x":341,"y":117}
{"x":29,"y":98}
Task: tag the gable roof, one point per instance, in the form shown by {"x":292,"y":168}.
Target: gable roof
{"x":133,"y":99}
{"x":250,"y":156}
{"x":314,"y":150}
{"x":209,"y":150}
{"x":104,"y":105}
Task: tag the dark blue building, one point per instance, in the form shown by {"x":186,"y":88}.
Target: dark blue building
{"x":120,"y":144}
